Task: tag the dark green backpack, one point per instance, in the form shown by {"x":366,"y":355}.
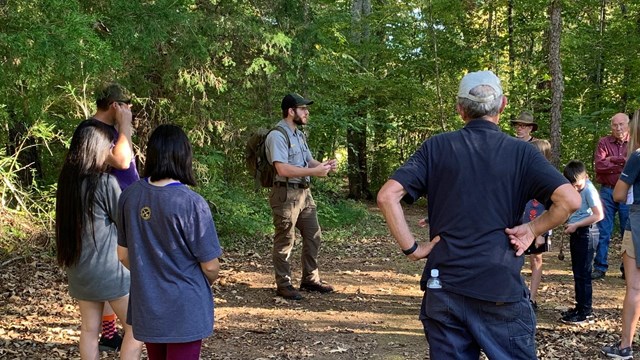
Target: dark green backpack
{"x":256,"y":156}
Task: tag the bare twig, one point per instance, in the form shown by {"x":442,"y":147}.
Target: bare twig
{"x":11,"y":260}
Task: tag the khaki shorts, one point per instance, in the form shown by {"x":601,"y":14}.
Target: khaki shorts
{"x":627,"y":245}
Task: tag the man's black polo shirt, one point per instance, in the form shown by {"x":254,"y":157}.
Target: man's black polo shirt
{"x":477,"y":181}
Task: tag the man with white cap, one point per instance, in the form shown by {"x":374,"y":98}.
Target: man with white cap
{"x":477,"y":181}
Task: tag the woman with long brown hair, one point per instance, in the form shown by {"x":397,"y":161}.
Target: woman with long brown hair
{"x":86,"y":237}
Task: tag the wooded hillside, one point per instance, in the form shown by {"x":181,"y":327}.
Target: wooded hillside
{"x":383,"y":75}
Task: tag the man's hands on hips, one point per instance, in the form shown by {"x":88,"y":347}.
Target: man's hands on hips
{"x":424,"y":249}
{"x":520,"y":237}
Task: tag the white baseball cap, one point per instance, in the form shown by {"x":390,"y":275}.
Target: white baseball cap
{"x":473,"y":79}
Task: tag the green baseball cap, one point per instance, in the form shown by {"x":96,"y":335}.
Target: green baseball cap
{"x":110,"y":93}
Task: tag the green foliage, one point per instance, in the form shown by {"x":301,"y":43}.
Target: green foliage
{"x":369,"y":225}
{"x":338,"y":213}
{"x":240,"y":216}
{"x":221,"y":68}
{"x":243,"y":217}
{"x":26,"y":213}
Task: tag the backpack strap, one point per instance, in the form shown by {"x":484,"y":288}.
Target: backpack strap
{"x":283,"y":131}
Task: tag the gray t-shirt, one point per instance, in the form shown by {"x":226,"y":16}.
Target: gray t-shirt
{"x":590,"y":198}
{"x":297,"y":155}
{"x":168,"y":231}
{"x":99,"y":275}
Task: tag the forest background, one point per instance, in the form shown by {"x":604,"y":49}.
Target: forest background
{"x":383,"y":75}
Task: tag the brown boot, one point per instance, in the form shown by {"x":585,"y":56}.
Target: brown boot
{"x":289,"y":293}
{"x":320,"y":287}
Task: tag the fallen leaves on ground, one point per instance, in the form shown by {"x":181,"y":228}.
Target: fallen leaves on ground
{"x":372,"y":315}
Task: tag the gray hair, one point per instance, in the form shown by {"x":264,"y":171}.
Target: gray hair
{"x":475,"y":109}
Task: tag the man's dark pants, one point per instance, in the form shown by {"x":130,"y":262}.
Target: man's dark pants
{"x":294,"y":208}
{"x":458,"y":327}
{"x":582,"y":245}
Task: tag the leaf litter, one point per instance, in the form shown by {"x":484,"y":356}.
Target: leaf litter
{"x":372,"y":315}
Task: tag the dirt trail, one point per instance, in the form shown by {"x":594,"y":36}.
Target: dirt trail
{"x":372,"y":315}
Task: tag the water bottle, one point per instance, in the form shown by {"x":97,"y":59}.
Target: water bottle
{"x":434,"y":280}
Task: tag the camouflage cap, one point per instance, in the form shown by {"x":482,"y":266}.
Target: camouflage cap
{"x":110,"y":93}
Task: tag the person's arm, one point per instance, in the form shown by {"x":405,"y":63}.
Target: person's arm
{"x":122,"y":151}
{"x":292,"y":171}
{"x":540,"y":240}
{"x":565,"y":200}
{"x":210,"y":269}
{"x":111,"y":193}
{"x":277,"y":154}
{"x":596,"y":215}
{"x":389,"y":198}
{"x":333,"y":163}
{"x":313,"y":163}
{"x":605,"y":163}
{"x":123,"y":256}
{"x":620,"y":191}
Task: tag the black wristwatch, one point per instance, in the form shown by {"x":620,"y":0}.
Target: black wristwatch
{"x":411,"y":250}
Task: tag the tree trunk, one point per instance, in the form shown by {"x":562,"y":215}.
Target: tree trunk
{"x":557,"y":82}
{"x":628,"y":72}
{"x":441,"y":109}
{"x":510,"y":39}
{"x":600,"y":60}
{"x":357,"y":132}
{"x":489,"y":29}
{"x":357,"y":150}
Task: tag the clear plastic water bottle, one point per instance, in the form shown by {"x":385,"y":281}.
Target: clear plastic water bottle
{"x":434,"y":280}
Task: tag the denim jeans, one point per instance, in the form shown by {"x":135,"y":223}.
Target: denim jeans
{"x":458,"y":327}
{"x":605,"y":226}
{"x":582,"y":245}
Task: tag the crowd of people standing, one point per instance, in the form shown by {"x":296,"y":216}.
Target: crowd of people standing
{"x":159,"y":283}
{"x":149,"y":248}
{"x":482,"y":303}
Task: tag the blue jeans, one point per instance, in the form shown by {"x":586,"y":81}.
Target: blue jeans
{"x":582,"y":245}
{"x":458,"y":327}
{"x":605,"y":226}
